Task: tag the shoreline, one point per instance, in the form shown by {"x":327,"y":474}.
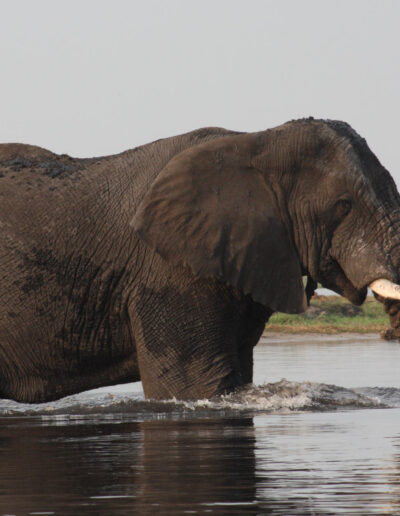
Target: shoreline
{"x":276,"y":329}
{"x":266,"y":336}
{"x":279,"y":338}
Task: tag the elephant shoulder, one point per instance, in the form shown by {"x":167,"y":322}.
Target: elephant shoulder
{"x":205,"y":134}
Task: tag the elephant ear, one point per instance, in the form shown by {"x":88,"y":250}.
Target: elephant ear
{"x":211,"y":210}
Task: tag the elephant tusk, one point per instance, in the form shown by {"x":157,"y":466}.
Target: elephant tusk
{"x":385,"y":288}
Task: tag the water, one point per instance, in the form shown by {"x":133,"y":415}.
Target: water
{"x":318,"y":435}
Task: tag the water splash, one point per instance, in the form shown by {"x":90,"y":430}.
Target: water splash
{"x":287,"y":396}
{"x":279,"y":397}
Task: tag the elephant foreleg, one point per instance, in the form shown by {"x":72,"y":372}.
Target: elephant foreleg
{"x":253,"y":324}
{"x":194,"y":342}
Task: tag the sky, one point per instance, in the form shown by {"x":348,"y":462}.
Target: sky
{"x":95,"y":77}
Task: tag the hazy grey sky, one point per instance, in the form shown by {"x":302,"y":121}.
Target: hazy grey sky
{"x":93,"y":77}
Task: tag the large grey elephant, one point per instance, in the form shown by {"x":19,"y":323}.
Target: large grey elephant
{"x":163,"y":263}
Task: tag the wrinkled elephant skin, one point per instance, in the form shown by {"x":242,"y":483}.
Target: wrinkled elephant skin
{"x":163,"y":263}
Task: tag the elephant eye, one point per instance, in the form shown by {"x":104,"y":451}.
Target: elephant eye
{"x":342,"y":208}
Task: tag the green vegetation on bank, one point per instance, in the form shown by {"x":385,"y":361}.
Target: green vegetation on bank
{"x":332,"y":314}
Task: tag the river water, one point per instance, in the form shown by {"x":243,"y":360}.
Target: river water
{"x":319,"y":434}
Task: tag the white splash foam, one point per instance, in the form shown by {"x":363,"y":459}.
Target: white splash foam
{"x":286,"y":396}
{"x":282,"y":396}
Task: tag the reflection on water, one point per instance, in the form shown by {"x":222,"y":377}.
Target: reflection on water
{"x":165,"y":467}
{"x":108,"y":455}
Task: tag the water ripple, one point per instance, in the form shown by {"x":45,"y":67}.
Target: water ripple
{"x":281,"y":397}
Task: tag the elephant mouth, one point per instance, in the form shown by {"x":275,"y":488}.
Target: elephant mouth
{"x":332,"y":276}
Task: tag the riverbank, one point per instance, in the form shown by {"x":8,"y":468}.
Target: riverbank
{"x":332,"y":315}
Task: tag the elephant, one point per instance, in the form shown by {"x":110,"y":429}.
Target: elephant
{"x":163,"y":263}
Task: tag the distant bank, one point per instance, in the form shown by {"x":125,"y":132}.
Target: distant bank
{"x":332,"y":314}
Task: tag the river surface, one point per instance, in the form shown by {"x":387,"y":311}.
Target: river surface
{"x":318,"y":434}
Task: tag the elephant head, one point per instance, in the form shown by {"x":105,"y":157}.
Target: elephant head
{"x":260,"y":210}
